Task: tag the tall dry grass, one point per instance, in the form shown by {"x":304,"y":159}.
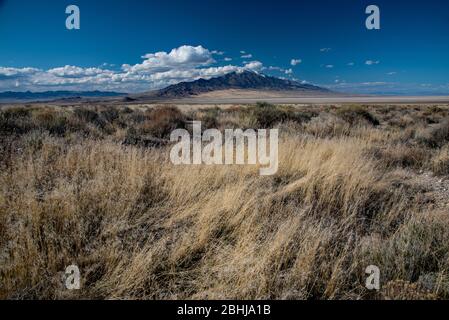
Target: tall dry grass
{"x":139,"y":227}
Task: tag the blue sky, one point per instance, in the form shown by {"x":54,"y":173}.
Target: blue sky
{"x":138,"y":45}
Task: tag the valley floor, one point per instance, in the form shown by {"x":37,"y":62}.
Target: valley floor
{"x":252,"y":97}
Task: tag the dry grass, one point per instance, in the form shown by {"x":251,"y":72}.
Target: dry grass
{"x":440,"y":162}
{"x":75,"y":188}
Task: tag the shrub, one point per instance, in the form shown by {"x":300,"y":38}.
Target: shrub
{"x":435,"y":136}
{"x":162,"y":120}
{"x":90,"y":116}
{"x":327,"y":126}
{"x":15,"y":121}
{"x":266,"y":115}
{"x":110,"y":114}
{"x":355,"y":114}
{"x":54,"y":122}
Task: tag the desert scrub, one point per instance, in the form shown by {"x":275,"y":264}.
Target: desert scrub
{"x":266,"y":115}
{"x":161,"y":121}
{"x":434,"y":136}
{"x":15,"y":120}
{"x":355,"y":114}
{"x":139,"y":227}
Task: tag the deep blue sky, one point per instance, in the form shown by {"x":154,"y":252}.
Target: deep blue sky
{"x":411,"y":49}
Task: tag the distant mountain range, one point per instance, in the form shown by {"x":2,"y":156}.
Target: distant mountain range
{"x":10,"y":96}
{"x":245,"y":80}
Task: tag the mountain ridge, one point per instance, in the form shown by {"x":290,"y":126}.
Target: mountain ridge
{"x":234,"y":80}
{"x":24,"y":96}
{"x":244,"y":81}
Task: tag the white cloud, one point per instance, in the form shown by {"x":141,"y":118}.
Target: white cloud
{"x":351,"y":64}
{"x":247,"y":56}
{"x":182,"y":57}
{"x":75,"y":72}
{"x":371,"y":62}
{"x":329,"y":66}
{"x":17,"y":72}
{"x":391,"y":73}
{"x":288,"y":71}
{"x":227,"y":59}
{"x":325,"y":49}
{"x":295,"y":62}
{"x":254,"y":66}
{"x":157,"y":70}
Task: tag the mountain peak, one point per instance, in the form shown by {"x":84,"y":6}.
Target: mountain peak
{"x":246,"y":80}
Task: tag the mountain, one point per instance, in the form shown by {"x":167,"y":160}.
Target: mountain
{"x":235,"y":84}
{"x":54,"y":95}
{"x":245,"y":80}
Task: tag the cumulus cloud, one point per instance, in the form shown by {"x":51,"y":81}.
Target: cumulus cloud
{"x":182,"y":57}
{"x":295,"y":62}
{"x":16,"y":72}
{"x":254,"y":66}
{"x":76,"y":72}
{"x":371,"y":62}
{"x":157,"y":70}
{"x":247,"y":56}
